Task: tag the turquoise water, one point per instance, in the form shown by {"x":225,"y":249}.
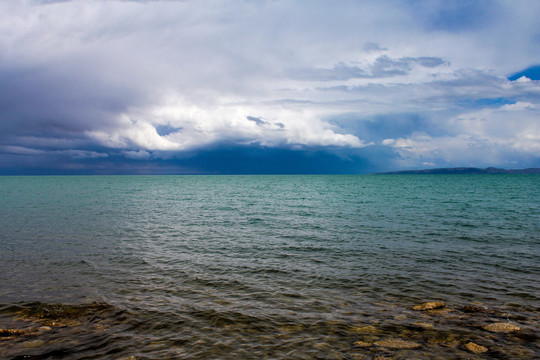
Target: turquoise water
{"x":207,"y":267}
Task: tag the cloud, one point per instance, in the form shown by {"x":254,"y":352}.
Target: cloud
{"x":506,"y":135}
{"x":150,"y":81}
{"x":383,"y":66}
{"x":257,"y":120}
{"x":137,"y":155}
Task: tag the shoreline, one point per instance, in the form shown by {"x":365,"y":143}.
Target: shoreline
{"x":428,"y":330}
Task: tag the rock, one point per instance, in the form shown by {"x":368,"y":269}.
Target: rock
{"x":423,"y":325}
{"x":475,"y":348}
{"x":383,"y":355}
{"x":33,"y":344}
{"x":11,"y":332}
{"x":430,"y":306}
{"x":361,"y":343}
{"x":364,"y":329}
{"x":502,"y":327}
{"x":62,"y":323}
{"x":44,"y":328}
{"x":440,"y":311}
{"x":397,"y":344}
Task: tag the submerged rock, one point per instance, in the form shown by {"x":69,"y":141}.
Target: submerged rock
{"x":366,"y":329}
{"x":397,"y":344}
{"x":430,"y":306}
{"x":11,"y":332}
{"x":383,"y":355}
{"x":502,"y":327}
{"x":33,"y":344}
{"x":61,"y":314}
{"x":423,"y":325}
{"x":475,"y":348}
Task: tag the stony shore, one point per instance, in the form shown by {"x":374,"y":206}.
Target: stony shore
{"x":430,"y":330}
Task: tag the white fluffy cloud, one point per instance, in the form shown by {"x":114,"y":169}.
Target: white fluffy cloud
{"x":503,"y":135}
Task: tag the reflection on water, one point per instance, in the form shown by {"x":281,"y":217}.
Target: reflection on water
{"x":313,"y":267}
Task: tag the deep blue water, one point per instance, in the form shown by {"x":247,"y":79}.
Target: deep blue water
{"x":268,"y":266}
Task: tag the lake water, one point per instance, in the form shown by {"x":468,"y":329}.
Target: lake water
{"x":277,"y":267}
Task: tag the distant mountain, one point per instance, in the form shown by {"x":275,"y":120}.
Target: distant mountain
{"x":466,"y":170}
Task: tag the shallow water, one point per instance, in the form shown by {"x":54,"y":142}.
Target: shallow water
{"x":208,"y":267}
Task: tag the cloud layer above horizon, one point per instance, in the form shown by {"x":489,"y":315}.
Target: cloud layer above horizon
{"x":202,"y":87}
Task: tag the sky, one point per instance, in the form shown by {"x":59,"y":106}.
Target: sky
{"x":256,"y":87}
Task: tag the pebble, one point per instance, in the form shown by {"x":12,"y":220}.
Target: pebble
{"x":423,"y":325}
{"x":364,"y":329}
{"x":502,"y":327}
{"x":383,"y":356}
{"x":397,"y":344}
{"x":475,"y":348}
{"x":33,"y":344}
{"x":429,"y":306}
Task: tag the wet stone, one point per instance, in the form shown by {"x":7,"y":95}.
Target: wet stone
{"x":423,"y":325}
{"x":440,"y":311}
{"x":33,"y":344}
{"x":502,"y":327}
{"x":397,"y":344}
{"x":475,"y":348}
{"x":430,"y":306}
{"x":383,"y":355}
{"x":364,"y":329}
{"x":63,"y":323}
{"x":64,"y":311}
{"x":11,"y":332}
